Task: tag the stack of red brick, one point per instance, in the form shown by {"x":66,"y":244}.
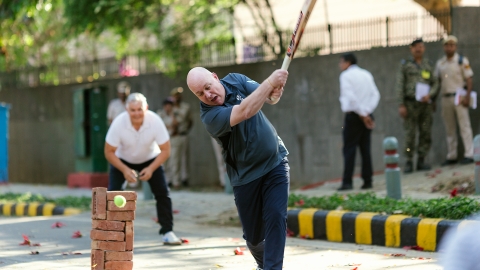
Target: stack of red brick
{"x":112,"y":230}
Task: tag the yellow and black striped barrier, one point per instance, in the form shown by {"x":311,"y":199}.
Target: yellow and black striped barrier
{"x":369,"y":228}
{"x":35,"y":209}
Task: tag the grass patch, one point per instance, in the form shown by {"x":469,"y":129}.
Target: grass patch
{"x":67,"y":201}
{"x":449,"y":208}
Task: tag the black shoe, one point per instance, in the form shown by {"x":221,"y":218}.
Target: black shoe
{"x":408,"y":167}
{"x":466,"y":160}
{"x":449,"y":162}
{"x":185,"y":183}
{"x":345,"y":187}
{"x":367,"y":186}
{"x":422,"y":166}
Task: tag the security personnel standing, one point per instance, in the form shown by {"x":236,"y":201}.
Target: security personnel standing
{"x":414,"y":76}
{"x":455,"y":73}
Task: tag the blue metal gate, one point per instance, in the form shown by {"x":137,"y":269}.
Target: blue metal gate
{"x":4,"y":116}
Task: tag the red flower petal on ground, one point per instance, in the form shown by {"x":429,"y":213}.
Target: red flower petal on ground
{"x":58,"y":225}
{"x":34,"y":253}
{"x":397,"y":255}
{"x":356,"y":268}
{"x":26,"y":241}
{"x":175,"y":211}
{"x":184,"y":241}
{"x":238,"y":251}
{"x":155,"y":219}
{"x":453,"y":193}
{"x":413,"y":248}
{"x":290,"y":233}
{"x":77,"y":234}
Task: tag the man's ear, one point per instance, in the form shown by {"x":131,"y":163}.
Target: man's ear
{"x":147,"y":107}
{"x":215,"y":76}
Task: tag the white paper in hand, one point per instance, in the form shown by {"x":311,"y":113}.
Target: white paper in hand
{"x":461,"y":93}
{"x":421,"y":90}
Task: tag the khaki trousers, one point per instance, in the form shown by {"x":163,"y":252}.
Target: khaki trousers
{"x":174,"y":162}
{"x":451,"y":116}
{"x":217,"y":149}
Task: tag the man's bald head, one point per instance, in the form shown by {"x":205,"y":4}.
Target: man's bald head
{"x":197,"y":76}
{"x":206,"y":86}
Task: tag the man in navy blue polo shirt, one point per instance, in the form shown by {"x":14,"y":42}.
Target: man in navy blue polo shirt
{"x":255,"y":156}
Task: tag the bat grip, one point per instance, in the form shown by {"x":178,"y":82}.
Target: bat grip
{"x":286,"y":63}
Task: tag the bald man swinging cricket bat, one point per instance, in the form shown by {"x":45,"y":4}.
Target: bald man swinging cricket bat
{"x":256,"y":157}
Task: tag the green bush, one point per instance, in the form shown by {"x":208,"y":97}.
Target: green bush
{"x":67,"y":201}
{"x":448,"y":208}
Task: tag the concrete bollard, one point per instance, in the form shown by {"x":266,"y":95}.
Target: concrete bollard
{"x":392,"y":171}
{"x":476,"y":157}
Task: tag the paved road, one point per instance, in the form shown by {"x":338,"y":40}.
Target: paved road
{"x":211,"y":246}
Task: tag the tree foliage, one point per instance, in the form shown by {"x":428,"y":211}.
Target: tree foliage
{"x":39,"y":32}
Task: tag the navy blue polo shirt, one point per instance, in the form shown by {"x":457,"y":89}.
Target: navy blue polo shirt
{"x":252,"y":148}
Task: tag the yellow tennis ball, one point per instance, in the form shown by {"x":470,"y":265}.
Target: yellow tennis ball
{"x":119,"y":201}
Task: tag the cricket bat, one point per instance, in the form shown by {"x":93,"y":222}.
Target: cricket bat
{"x":298,"y":31}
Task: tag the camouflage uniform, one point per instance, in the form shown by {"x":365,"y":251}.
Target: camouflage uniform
{"x":419,"y":114}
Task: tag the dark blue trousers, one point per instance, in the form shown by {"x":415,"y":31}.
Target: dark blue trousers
{"x":355,"y":134}
{"x":262,"y":207}
{"x":159,"y":187}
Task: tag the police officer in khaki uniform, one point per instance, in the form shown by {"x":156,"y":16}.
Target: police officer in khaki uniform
{"x":184,"y":118}
{"x":455,"y":74}
{"x":416,"y":74}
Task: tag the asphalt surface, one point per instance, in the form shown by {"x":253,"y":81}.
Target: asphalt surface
{"x":198,"y":219}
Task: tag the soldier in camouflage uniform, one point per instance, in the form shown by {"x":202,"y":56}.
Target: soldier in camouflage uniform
{"x":417,"y":114}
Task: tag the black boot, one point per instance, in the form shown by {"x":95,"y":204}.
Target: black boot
{"x":422,"y":166}
{"x":408,"y":167}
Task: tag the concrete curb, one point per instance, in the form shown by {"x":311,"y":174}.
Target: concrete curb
{"x":366,"y":228}
{"x":35,"y":209}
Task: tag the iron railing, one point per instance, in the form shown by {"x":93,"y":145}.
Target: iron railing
{"x":316,"y":40}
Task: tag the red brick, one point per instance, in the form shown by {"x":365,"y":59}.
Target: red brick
{"x":99,"y":203}
{"x":129,"y":233}
{"x":107,"y":235}
{"x":111,"y":246}
{"x":87,"y":180}
{"x":129,"y":206}
{"x":108,"y":225}
{"x":119,"y":265}
{"x":129,"y":195}
{"x":121,"y":216}
{"x":118,"y":256}
{"x":98,"y":259}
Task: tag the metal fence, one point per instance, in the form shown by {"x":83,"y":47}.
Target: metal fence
{"x":316,"y":40}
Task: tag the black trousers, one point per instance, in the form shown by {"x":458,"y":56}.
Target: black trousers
{"x":159,"y":187}
{"x":355,"y":134}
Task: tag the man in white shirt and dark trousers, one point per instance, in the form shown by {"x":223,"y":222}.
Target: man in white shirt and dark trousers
{"x":359,"y":97}
{"x":136,"y":146}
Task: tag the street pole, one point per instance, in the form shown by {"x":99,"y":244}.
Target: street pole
{"x":392,"y":171}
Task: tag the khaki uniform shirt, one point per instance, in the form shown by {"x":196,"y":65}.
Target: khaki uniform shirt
{"x":183,"y":117}
{"x":452,"y":74}
{"x":168,"y":120}
{"x":409,"y":74}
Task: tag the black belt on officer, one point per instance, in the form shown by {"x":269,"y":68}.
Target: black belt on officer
{"x":449,"y":95}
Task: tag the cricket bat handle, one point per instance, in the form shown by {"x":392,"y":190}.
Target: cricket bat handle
{"x":286,"y":62}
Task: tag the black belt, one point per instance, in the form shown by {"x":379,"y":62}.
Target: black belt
{"x":449,"y":95}
{"x":410,"y":98}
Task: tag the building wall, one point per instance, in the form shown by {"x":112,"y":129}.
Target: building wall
{"x":308,"y":118}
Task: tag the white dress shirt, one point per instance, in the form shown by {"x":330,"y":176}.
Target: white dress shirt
{"x":358,"y":92}
{"x":137,"y":146}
